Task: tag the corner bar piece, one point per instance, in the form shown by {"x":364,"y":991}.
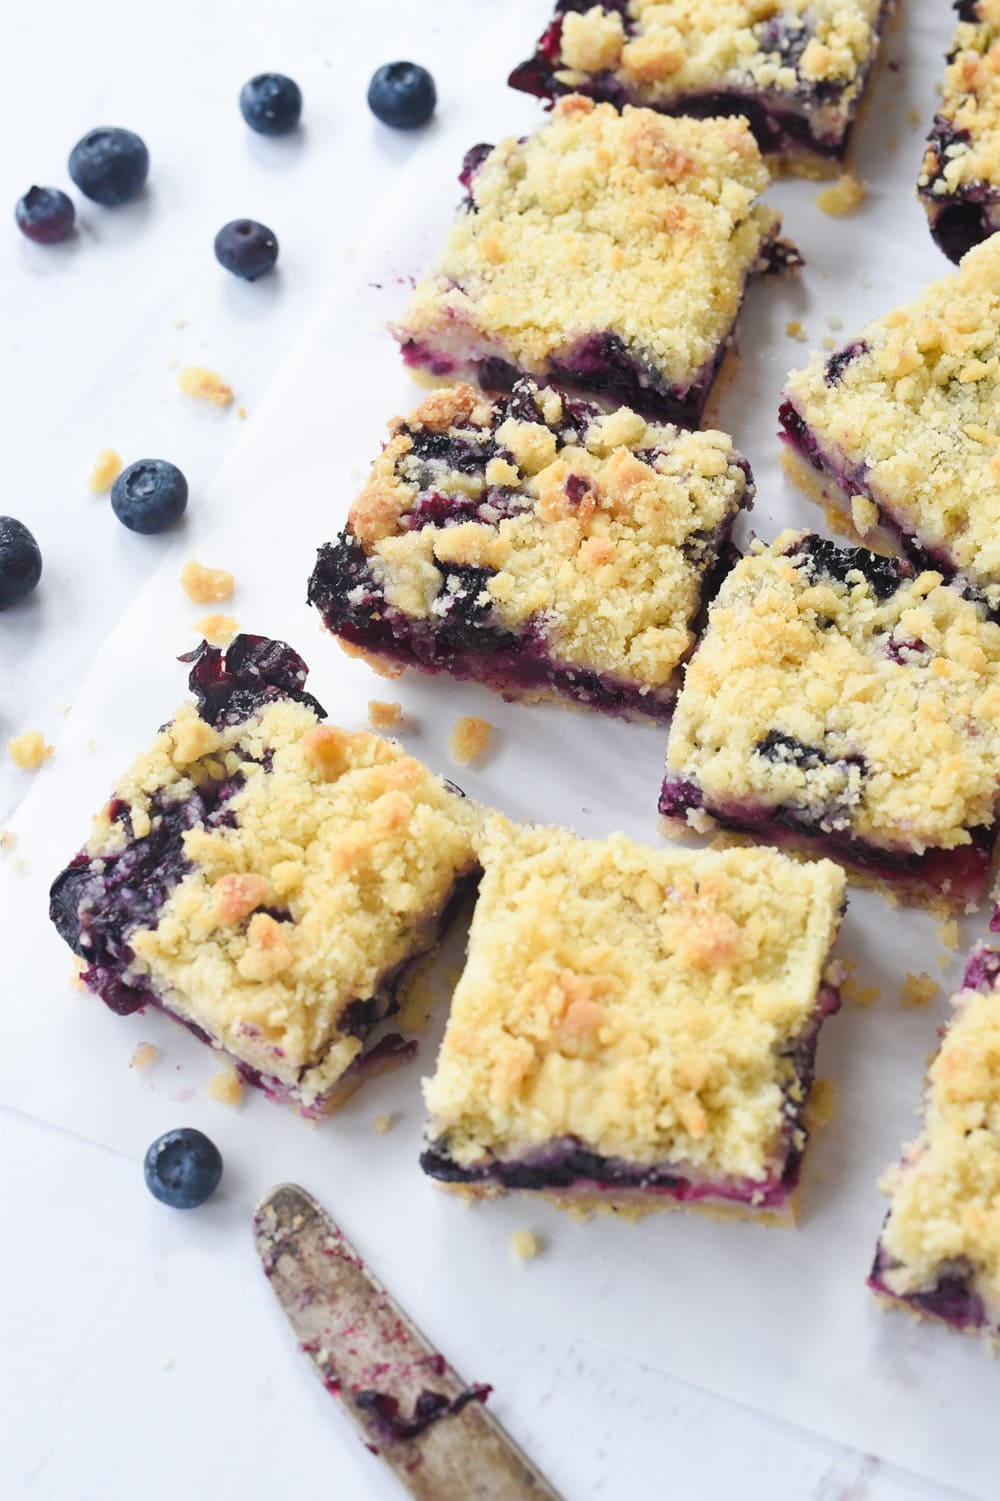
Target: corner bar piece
{"x":797,"y":73}
{"x":842,"y":703}
{"x":606,"y":252}
{"x":939,"y":1253}
{"x":538,"y":545}
{"x":635,"y":1029}
{"x":267,"y":879}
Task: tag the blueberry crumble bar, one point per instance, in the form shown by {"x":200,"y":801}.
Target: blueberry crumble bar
{"x":900,"y":428}
{"x":607,"y":252}
{"x":267,"y":879}
{"x":536,"y":544}
{"x":959,"y":182}
{"x":939,"y":1252}
{"x":635,"y":1028}
{"x":797,"y":73}
{"x":842,"y":702}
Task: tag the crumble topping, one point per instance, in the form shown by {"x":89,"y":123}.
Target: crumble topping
{"x":205,"y":385}
{"x":919,"y":990}
{"x":636,"y":1000}
{"x":470,"y":738}
{"x":634,"y":224}
{"x":225,"y":1087}
{"x":107,"y":467}
{"x":872,"y":706}
{"x":8,"y":840}
{"x":596,"y":527}
{"x":664,"y":49}
{"x":525,"y":1244}
{"x":29,"y":750}
{"x":909,"y":411}
{"x":382,"y":715}
{"x":945,"y":1193}
{"x":145,"y":1054}
{"x":217,"y":630}
{"x":206,"y":586}
{"x":337,"y":852}
{"x":843,"y":196}
{"x":385,"y":1122}
{"x":966,"y":154}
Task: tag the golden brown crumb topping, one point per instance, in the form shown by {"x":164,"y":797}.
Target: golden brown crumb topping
{"x":917,"y":410}
{"x":383,"y":715}
{"x":843,"y":196}
{"x":602,"y":537}
{"x":205,"y":385}
{"x":29,"y":750}
{"x":971,"y":104}
{"x":676,"y":47}
{"x":946,"y":1191}
{"x":637,"y":1000}
{"x":878,"y":715}
{"x":206,"y":586}
{"x":216,"y":629}
{"x":470,"y":738}
{"x":338,"y":858}
{"x":635,"y":224}
{"x":107,"y":467}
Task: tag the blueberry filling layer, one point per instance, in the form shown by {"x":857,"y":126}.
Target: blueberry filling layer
{"x":962,"y":219}
{"x":567,"y":1165}
{"x":951,"y":1299}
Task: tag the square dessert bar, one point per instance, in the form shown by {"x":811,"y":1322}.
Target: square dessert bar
{"x":939,"y":1253}
{"x":535,"y":544}
{"x":842,"y":702}
{"x":607,"y":252}
{"x":797,"y":72}
{"x":635,"y":1029}
{"x":267,"y":879}
{"x":900,"y":429}
{"x":959,"y":182}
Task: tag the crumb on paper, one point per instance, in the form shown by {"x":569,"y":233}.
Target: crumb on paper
{"x":205,"y":385}
{"x":8,"y":840}
{"x":63,"y":706}
{"x":843,"y":196}
{"x":918,"y":990}
{"x":180,"y":323}
{"x":469,"y":738}
{"x":385,"y":1122}
{"x":218,"y":630}
{"x":822,"y":1102}
{"x":145,"y":1054}
{"x":794,"y":330}
{"x":29,"y":751}
{"x":949,"y":935}
{"x":914,"y":118}
{"x":241,"y":412}
{"x":206,"y":586}
{"x":525,"y":1244}
{"x":225,"y":1086}
{"x":383,"y":715}
{"x":829,"y":343}
{"x":91,"y":744}
{"x":834,"y":322}
{"x":168,"y":1364}
{"x":107,"y":468}
{"x":864,"y":514}
{"x":859,"y":995}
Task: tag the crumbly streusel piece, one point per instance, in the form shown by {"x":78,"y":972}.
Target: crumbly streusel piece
{"x":939,"y":1252}
{"x":266,"y":878}
{"x":537,"y":544}
{"x":607,"y":251}
{"x":959,"y":181}
{"x":843,"y":702}
{"x":635,"y":1028}
{"x":901,"y":427}
{"x":798,"y":73}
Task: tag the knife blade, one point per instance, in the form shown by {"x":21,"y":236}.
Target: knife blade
{"x":409,"y":1405}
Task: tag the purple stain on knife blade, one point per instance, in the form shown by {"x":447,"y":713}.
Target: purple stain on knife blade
{"x":429,"y":1407}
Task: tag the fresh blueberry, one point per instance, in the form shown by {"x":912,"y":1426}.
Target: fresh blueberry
{"x":109,"y":165}
{"x":183,"y":1168}
{"x":271,"y":104}
{"x":246,"y":248}
{"x":45,"y":215}
{"x":402,"y":95}
{"x":20,"y":562}
{"x":149,"y":496}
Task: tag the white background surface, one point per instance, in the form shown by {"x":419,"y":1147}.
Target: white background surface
{"x":142,"y":1357}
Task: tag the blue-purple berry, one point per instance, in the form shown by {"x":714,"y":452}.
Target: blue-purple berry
{"x":20,"y":562}
{"x":271,"y":104}
{"x":149,"y":496}
{"x":246,"y":248}
{"x":183,"y":1168}
{"x":402,"y":95}
{"x":45,"y":215}
{"x":109,"y":165}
